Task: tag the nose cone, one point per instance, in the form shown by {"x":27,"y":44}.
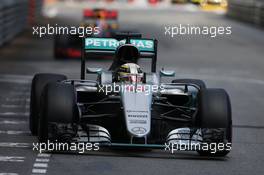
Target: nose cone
{"x":137,"y":112}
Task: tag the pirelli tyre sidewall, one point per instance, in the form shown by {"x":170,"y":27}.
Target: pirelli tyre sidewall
{"x":58,"y":112}
{"x":38,"y":83}
{"x":215,"y":119}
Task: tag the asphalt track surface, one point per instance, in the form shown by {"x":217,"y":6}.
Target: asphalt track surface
{"x":233,"y":62}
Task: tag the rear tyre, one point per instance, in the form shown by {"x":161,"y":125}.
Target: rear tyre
{"x":38,"y":83}
{"x":59,"y":112}
{"x":215,"y":119}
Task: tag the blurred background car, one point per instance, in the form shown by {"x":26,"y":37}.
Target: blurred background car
{"x":179,"y":1}
{"x":69,"y":46}
{"x":197,"y":1}
{"x":214,"y":4}
{"x":210,"y":2}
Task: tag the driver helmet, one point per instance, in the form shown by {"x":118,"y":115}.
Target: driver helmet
{"x":130,"y":72}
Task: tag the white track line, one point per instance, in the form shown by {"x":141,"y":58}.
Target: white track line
{"x":41,"y":163}
{"x":39,"y":171}
{"x":14,"y":81}
{"x":12,"y":122}
{"x":22,"y":79}
{"x":9,"y":132}
{"x":24,"y":114}
{"x":17,"y":99}
{"x":16,"y":76}
{"x":14,"y":106}
{"x":43,"y":155}
{"x":11,"y":159}
{"x":42,"y":160}
{"x":18,"y":93}
{"x":14,"y":145}
{"x":8,"y":174}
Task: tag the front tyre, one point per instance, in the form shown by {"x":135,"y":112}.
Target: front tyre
{"x":59,"y":112}
{"x":38,"y":83}
{"x":215,"y":119}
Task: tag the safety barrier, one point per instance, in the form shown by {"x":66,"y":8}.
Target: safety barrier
{"x":15,"y":15}
{"x":247,"y":10}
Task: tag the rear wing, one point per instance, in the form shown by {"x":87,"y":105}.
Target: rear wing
{"x":108,"y":46}
{"x":101,"y":47}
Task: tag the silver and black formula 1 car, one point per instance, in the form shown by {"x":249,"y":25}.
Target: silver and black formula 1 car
{"x":127,"y":107}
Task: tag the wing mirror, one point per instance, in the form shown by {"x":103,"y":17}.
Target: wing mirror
{"x":90,"y":70}
{"x":167,"y":73}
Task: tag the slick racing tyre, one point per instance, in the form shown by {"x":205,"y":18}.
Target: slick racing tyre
{"x":38,"y":83}
{"x":215,"y":119}
{"x":58,"y":114}
{"x":197,"y":82}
